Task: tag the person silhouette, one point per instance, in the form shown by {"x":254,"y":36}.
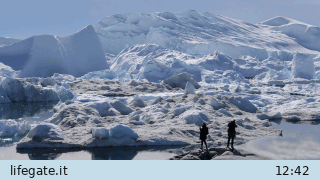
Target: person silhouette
{"x":203,"y":135}
{"x":231,"y":132}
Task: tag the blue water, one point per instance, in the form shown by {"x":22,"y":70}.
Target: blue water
{"x":299,"y":140}
{"x":301,"y":128}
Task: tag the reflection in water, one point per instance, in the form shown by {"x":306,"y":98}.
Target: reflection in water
{"x":297,"y":127}
{"x":299,"y":140}
{"x":16,"y":110}
{"x":111,"y":153}
{"x":128,"y":153}
{"x":8,"y":141}
{"x":45,"y":153}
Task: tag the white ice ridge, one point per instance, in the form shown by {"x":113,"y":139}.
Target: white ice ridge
{"x":306,"y":35}
{"x":44,"y":55}
{"x":203,"y":33}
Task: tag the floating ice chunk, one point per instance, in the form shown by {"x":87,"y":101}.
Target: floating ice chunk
{"x":65,"y":85}
{"x":180,"y":80}
{"x":244,"y":123}
{"x":63,"y":77}
{"x":216,"y":104}
{"x":14,"y":88}
{"x":46,"y":131}
{"x":137,"y":102}
{"x":89,"y":98}
{"x":303,"y":66}
{"x":234,"y":88}
{"x":122,"y":76}
{"x":20,"y":90}
{"x":64,"y":92}
{"x":189,"y":89}
{"x":223,"y":77}
{"x":133,"y":83}
{"x":243,"y":104}
{"x":123,"y":131}
{"x":101,"y":106}
{"x":103,"y":74}
{"x":201,"y":101}
{"x":263,"y":116}
{"x":225,"y":87}
{"x":135,"y":117}
{"x":49,"y":81}
{"x":73,"y":115}
{"x":276,"y":116}
{"x":194,"y":117}
{"x":101,"y":133}
{"x":266,"y":124}
{"x":156,"y":101}
{"x":119,"y":106}
{"x":134,"y":114}
{"x":225,"y":112}
{"x":38,"y":93}
{"x":8,"y":128}
{"x":137,"y":122}
{"x":113,"y":112}
{"x":23,"y":129}
{"x":180,"y":108}
{"x":218,"y":61}
{"x":167,"y":105}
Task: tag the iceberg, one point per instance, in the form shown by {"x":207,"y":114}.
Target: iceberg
{"x":11,"y":128}
{"x":44,"y":55}
{"x":303,"y":66}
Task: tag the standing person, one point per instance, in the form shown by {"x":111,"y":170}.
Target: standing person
{"x":203,"y":135}
{"x":231,"y":132}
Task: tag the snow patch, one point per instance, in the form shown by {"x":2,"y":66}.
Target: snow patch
{"x":194,"y":117}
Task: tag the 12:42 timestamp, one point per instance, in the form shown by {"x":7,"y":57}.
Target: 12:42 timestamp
{"x":296,"y":171}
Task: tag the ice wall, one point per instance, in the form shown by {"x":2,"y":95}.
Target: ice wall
{"x":303,"y":66}
{"x":195,"y":33}
{"x":305,"y":34}
{"x":44,"y":55}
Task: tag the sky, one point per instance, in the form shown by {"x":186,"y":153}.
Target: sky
{"x":22,"y":19}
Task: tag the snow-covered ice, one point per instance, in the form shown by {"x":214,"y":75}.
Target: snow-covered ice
{"x":302,"y":66}
{"x":32,"y":90}
{"x":169,"y":73}
{"x":11,"y":128}
{"x":76,"y":54}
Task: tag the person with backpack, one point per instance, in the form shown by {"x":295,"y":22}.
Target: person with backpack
{"x":203,"y":135}
{"x":231,"y":132}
